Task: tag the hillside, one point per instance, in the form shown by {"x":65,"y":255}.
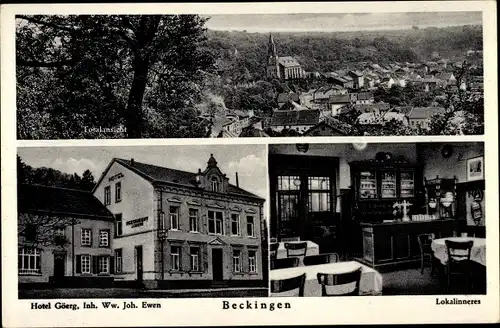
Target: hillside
{"x":242,"y":53}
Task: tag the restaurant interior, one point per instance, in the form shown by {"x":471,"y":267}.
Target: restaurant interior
{"x":377,"y":219}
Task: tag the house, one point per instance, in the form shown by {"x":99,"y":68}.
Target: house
{"x":337,"y":101}
{"x":447,"y":78}
{"x":374,"y":107}
{"x":380,"y":118}
{"x":285,"y":97}
{"x":322,"y":94}
{"x":421,"y":116}
{"x":362,"y":98}
{"x":178,"y":229}
{"x":329,"y":126}
{"x":340,"y":81}
{"x":65,"y":238}
{"x":298,"y":120}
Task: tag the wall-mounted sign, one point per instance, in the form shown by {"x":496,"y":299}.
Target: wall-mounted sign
{"x":137,"y":222}
{"x":116,"y":176}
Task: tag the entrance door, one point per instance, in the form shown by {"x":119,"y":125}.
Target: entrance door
{"x":59,"y":265}
{"x":217,"y":262}
{"x":138,"y":261}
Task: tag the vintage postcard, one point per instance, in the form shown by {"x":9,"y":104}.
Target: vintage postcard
{"x":249,"y":163}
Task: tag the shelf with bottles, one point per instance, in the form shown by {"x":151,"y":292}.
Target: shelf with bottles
{"x":368,"y":185}
{"x":388,"y":184}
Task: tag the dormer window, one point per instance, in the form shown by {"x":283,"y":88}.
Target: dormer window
{"x":214,"y":184}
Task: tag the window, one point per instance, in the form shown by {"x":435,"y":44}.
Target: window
{"x":86,"y":237}
{"x":107,"y":195}
{"x":59,"y":231}
{"x":118,"y":260}
{"x":195,"y":258}
{"x":250,"y":226}
{"x":175,"y":258}
{"x":215,"y":221}
{"x":174,"y":217}
{"x":193,"y":220}
{"x":118,"y":225}
{"x":103,"y":238}
{"x":29,"y":260}
{"x":319,"y":194}
{"x":85,"y":263}
{"x":215,"y":184}
{"x":118,"y":192}
{"x":236,"y":261}
{"x":103,"y":264}
{"x":235,"y":224}
{"x":252,"y":266}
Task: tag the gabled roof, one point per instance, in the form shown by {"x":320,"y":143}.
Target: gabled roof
{"x":424,"y":112}
{"x":295,"y":117}
{"x":286,"y":96}
{"x":365,"y":95}
{"x":339,"y":99}
{"x":159,"y":174}
{"x":366,"y":108}
{"x":56,"y":201}
{"x":288,"y":61}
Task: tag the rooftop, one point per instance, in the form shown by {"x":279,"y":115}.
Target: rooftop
{"x":295,"y":117}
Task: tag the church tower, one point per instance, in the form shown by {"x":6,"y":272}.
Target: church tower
{"x":272,"y":68}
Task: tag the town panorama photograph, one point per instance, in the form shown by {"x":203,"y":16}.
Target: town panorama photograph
{"x":197,"y":76}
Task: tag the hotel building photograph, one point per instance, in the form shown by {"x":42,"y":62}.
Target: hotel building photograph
{"x":377,"y":219}
{"x":158,"y":221}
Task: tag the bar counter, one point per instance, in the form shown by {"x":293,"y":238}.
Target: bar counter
{"x":393,"y":243}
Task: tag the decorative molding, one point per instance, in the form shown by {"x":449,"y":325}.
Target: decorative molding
{"x":174,"y":199}
{"x":216,"y":205}
{"x":250,"y":210}
{"x":235,"y":209}
{"x":217,"y":242}
{"x":194,"y":202}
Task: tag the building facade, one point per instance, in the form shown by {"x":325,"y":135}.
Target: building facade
{"x":64,"y":238}
{"x":283,"y":68}
{"x":176,"y":229}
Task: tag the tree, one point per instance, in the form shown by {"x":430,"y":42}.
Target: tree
{"x":101,"y":70}
{"x":40,"y":230}
{"x":87,"y":182}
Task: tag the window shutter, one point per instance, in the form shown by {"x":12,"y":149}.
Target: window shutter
{"x":78,"y":264}
{"x":112,"y":265}
{"x":95,"y":264}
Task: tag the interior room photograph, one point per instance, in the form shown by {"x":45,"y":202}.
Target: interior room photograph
{"x":377,"y":219}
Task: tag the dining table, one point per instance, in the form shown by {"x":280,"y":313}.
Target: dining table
{"x":370,"y":283}
{"x":478,"y":251}
{"x":312,"y":248}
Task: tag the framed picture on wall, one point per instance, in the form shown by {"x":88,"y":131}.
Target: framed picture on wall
{"x":475,"y":168}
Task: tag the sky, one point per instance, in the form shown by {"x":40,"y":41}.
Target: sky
{"x":341,"y":21}
{"x":250,"y":161}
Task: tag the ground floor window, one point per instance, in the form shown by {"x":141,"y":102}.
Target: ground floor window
{"x":252,"y":262}
{"x":85,"y":263}
{"x":175,"y":258}
{"x":29,"y":261}
{"x":103,"y":264}
{"x":236,"y":260}
{"x":195,"y":258}
{"x":118,"y":259}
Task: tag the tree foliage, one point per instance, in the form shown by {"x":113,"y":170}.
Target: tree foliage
{"x":79,"y":72}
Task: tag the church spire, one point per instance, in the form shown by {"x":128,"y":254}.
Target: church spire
{"x":271,"y":51}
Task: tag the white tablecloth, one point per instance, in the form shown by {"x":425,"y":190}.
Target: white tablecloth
{"x":370,"y":284}
{"x":312,"y":248}
{"x":477,"y":254}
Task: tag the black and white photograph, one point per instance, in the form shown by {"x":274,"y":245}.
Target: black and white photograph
{"x":135,"y":222}
{"x":249,"y":75}
{"x":376,"y":219}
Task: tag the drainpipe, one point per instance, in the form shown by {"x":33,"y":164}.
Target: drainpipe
{"x":160,"y":217}
{"x":73,"y":247}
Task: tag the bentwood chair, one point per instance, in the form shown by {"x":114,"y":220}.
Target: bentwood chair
{"x":459,"y":259}
{"x":273,"y":250}
{"x":424,"y":243}
{"x":289,"y":262}
{"x":337,"y":279}
{"x":285,"y":285}
{"x":321,"y":259}
{"x":296,"y":249}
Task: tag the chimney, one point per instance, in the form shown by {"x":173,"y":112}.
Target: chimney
{"x":237,"y":180}
{"x":132,"y":162}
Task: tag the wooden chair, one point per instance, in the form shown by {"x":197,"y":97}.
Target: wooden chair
{"x":296,"y":249}
{"x":424,"y":243}
{"x":273,"y":250}
{"x":458,"y":262}
{"x":287,"y":239}
{"x":336,"y":279}
{"x":280,"y":286}
{"x":321,"y":259}
{"x":289,"y":262}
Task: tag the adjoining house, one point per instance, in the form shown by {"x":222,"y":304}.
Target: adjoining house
{"x":298,"y":120}
{"x":285,"y":97}
{"x":329,"y":126}
{"x":178,"y":229}
{"x":64,"y":238}
{"x":421,"y":116}
{"x":336,"y":102}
